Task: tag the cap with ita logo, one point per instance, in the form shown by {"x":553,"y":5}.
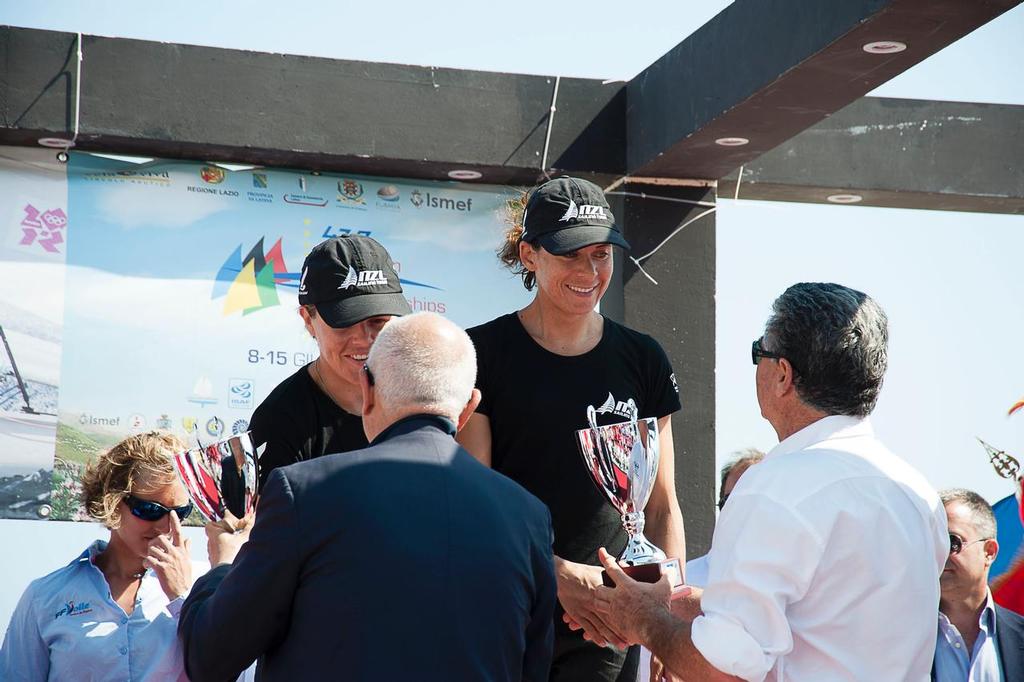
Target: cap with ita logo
{"x":566,"y":214}
{"x":350,"y":279}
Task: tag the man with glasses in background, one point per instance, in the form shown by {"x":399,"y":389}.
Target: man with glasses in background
{"x":977,"y":641}
{"x":697,"y":568}
{"x":826,"y":558}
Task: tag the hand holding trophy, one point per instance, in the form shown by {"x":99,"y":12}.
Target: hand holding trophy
{"x":623,"y":462}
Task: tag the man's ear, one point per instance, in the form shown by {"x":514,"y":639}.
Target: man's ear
{"x":366,"y":389}
{"x":991,"y":550}
{"x":469,"y":409}
{"x":784,"y":379}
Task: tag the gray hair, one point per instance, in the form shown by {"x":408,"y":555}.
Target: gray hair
{"x":423,"y":361}
{"x":982,"y":517}
{"x":742,"y":458}
{"x":836,"y":339}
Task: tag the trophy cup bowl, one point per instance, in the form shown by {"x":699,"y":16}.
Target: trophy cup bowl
{"x":220,"y":477}
{"x":623,"y":462}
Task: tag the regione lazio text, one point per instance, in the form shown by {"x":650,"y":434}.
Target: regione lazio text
{"x":164,"y":295}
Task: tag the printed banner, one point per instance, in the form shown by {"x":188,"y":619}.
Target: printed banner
{"x":179,"y":299}
{"x":33,"y":247}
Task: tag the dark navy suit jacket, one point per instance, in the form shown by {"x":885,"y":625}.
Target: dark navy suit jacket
{"x":1010,"y":644}
{"x":1010,"y":640}
{"x":408,"y":560}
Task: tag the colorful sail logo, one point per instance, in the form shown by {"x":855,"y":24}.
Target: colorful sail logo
{"x":249,"y":284}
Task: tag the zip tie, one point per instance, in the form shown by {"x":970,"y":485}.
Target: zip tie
{"x":547,"y":135}
{"x":664,"y":241}
{"x":78,"y":93}
{"x":644,"y":195}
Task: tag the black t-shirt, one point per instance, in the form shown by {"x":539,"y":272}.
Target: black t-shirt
{"x":536,"y":400}
{"x":298,"y":421}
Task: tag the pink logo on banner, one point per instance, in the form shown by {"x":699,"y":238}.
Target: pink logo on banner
{"x":43,"y":228}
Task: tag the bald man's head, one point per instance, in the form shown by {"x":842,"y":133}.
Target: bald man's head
{"x":423,"y":363}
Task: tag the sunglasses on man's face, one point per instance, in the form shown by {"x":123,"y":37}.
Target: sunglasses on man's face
{"x":154,"y":511}
{"x":957,"y":544}
{"x":757,"y":351}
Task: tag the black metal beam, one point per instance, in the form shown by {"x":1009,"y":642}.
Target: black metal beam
{"x":900,"y":153}
{"x":180,"y":101}
{"x":766,"y":70}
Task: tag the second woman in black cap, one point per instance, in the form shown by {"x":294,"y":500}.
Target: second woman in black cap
{"x":539,"y":369}
{"x":347,"y":292}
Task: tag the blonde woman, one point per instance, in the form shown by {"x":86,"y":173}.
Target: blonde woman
{"x":112,"y":613}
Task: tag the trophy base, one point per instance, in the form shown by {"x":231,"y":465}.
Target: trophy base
{"x":651,"y":573}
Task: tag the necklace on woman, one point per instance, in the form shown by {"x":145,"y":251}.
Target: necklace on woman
{"x":323,"y":386}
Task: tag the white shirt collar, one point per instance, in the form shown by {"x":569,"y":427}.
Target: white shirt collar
{"x":827,"y":428}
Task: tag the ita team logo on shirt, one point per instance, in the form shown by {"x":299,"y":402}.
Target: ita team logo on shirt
{"x":620,"y":408}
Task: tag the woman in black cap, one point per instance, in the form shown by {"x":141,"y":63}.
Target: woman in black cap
{"x":348,"y":291}
{"x":539,"y":369}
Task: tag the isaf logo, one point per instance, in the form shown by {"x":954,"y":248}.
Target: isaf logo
{"x":622,"y":408}
{"x":365,"y":278}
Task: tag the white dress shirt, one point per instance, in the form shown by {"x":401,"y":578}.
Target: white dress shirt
{"x":825,"y":564}
{"x":953,"y":663}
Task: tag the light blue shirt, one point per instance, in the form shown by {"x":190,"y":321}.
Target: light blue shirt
{"x":67,"y":627}
{"x":952,"y":662}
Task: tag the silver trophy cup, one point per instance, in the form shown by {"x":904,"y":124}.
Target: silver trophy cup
{"x":623,"y":461}
{"x":221,"y":476}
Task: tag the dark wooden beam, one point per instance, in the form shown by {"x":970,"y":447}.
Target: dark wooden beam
{"x":180,"y":101}
{"x":766,"y":70}
{"x":901,"y":153}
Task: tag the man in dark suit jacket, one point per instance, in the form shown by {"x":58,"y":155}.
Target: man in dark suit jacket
{"x":407,"y":560}
{"x":966,"y":647}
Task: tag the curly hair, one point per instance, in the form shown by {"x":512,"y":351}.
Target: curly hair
{"x":508,"y":252}
{"x":143,"y":458}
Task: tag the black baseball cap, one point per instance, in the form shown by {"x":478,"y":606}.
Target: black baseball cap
{"x":566,"y":214}
{"x":350,"y":279}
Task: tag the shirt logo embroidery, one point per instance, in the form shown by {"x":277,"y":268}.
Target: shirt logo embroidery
{"x":73,"y":609}
{"x":621,"y":408}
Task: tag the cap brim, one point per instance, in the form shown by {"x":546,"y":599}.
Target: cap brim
{"x":578,"y":237}
{"x":346,"y":312}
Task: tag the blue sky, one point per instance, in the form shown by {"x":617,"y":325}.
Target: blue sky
{"x":950,"y":281}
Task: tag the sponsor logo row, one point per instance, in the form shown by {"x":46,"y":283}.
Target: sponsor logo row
{"x":213,"y":427}
{"x":302,"y":190}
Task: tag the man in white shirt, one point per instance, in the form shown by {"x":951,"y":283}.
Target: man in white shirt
{"x":825,"y":562}
{"x":977,"y":640}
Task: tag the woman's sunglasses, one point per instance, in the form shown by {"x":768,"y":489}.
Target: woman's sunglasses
{"x":154,"y":511}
